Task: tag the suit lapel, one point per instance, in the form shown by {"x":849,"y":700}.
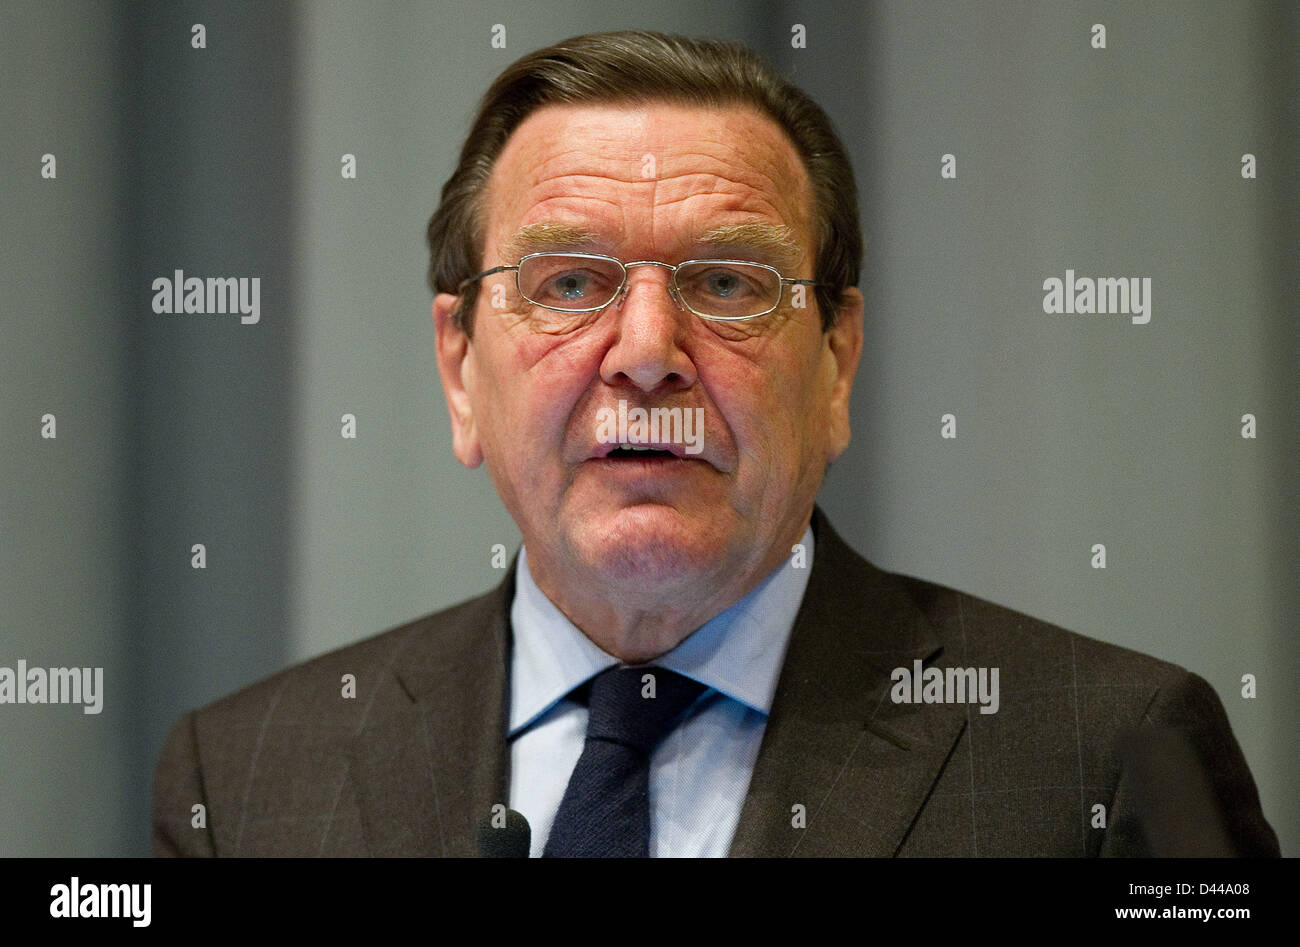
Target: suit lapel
{"x":432,"y":765}
{"x":860,"y":765}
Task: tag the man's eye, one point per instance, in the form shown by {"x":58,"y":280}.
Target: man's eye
{"x":577,"y":288}
{"x":725,"y":284}
{"x":571,"y":286}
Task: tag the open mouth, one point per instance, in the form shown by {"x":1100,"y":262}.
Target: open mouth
{"x":630,"y":451}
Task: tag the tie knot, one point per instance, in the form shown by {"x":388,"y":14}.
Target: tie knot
{"x":637,"y":706}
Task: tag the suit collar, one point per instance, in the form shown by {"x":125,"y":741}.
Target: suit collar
{"x":860,"y":765}
{"x":429,"y":770}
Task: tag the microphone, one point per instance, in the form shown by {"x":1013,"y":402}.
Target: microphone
{"x":509,"y":840}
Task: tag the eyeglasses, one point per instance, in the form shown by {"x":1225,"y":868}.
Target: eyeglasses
{"x":717,"y":290}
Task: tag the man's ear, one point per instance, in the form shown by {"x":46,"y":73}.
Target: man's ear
{"x":844,"y":349}
{"x":455,"y":368}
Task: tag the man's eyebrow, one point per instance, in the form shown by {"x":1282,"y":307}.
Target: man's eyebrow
{"x":774,"y":241}
{"x":544,"y":236}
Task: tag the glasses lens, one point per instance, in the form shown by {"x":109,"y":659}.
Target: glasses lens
{"x":571,"y":283}
{"x":728,"y":290}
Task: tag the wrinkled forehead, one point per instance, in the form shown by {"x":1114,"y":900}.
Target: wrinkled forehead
{"x":646,"y":177}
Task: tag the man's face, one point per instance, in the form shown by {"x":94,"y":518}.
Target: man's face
{"x":668,"y":183}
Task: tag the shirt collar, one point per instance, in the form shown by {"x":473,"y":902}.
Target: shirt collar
{"x":738,"y":652}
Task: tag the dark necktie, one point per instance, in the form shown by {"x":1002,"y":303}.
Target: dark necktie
{"x":606,"y":807}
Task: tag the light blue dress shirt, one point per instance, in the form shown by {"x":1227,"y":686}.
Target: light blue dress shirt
{"x":699,"y":774}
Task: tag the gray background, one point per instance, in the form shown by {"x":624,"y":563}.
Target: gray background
{"x":1072,"y":430}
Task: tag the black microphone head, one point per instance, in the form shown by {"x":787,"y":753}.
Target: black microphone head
{"x":504,"y":834}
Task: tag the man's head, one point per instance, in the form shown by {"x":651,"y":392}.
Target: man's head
{"x":642,"y":147}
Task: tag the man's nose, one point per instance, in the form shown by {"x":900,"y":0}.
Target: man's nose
{"x":651,"y":327}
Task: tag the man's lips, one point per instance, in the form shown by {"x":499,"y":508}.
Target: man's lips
{"x":612,"y":448}
{"x":649,"y":451}
{"x":660,"y":465}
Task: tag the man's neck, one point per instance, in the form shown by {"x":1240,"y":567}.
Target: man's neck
{"x":637,"y":628}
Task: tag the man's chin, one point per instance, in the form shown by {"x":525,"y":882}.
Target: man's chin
{"x":651,"y":544}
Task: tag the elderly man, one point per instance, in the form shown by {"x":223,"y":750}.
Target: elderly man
{"x":648,"y":332}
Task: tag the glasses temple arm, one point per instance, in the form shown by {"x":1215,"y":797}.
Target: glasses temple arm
{"x":491,"y":272}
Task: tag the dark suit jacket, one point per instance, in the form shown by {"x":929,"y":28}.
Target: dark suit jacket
{"x":411,"y":764}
